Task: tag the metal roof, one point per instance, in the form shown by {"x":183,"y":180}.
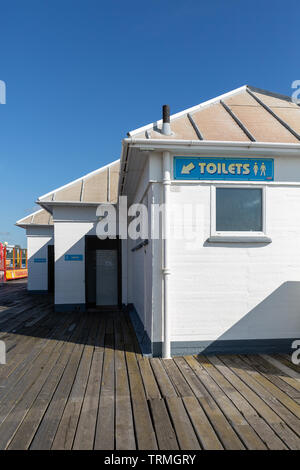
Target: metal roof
{"x":100,"y":186}
{"x":38,"y":218}
{"x":244,"y":114}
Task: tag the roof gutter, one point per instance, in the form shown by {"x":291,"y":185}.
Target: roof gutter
{"x":175,"y":144}
{"x":33,"y":225}
{"x":205,"y":147}
{"x":48,"y":205}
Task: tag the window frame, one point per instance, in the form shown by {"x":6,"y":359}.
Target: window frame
{"x":239,"y":236}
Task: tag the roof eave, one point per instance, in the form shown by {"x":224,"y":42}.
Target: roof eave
{"x":48,"y":204}
{"x":175,"y":143}
{"x":25,"y":226}
{"x":210,"y":145}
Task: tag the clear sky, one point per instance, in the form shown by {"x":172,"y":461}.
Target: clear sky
{"x":81,"y":73}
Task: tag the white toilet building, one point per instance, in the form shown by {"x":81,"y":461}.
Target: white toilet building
{"x":40,"y":244}
{"x":70,"y":212}
{"x":225,"y":176}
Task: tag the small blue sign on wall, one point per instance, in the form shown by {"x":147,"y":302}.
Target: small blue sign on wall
{"x":245,"y":169}
{"x":73,"y":257}
{"x":39,"y":260}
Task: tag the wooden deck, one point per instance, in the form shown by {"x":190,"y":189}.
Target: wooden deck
{"x":78,"y":381}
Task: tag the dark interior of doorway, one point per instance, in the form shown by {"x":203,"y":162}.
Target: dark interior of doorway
{"x":93,"y":243}
{"x":50,"y":268}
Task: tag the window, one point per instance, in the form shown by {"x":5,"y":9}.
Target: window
{"x":238,"y":214}
{"x":239,"y":210}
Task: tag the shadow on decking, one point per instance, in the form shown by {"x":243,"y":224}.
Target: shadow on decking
{"x":33,"y":315}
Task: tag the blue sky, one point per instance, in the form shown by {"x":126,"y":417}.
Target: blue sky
{"x":81,"y":73}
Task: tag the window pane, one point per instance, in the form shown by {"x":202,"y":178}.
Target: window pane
{"x":238,"y":210}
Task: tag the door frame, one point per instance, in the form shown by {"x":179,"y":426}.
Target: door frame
{"x":92,"y":242}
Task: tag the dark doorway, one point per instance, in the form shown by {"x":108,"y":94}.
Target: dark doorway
{"x":50,"y":268}
{"x":103,"y":257}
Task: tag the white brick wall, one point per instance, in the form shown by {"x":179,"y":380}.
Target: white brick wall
{"x":239,"y":291}
{"x":71,"y":226}
{"x":38,"y":239}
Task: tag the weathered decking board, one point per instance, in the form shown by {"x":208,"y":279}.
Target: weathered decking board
{"x":78,"y":381}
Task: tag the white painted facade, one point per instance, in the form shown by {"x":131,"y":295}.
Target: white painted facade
{"x":38,"y":239}
{"x":213,"y":293}
{"x":71,"y":225}
{"x":237,"y":290}
{"x":220,"y":291}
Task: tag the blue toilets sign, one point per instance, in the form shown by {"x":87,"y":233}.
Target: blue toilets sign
{"x":246,"y":169}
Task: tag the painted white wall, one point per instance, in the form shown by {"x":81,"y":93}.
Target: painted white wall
{"x":140,"y":262}
{"x":38,"y":239}
{"x":71,"y":224}
{"x":157,"y":278}
{"x":225,"y":291}
{"x":237,"y":290}
{"x":124,"y":253}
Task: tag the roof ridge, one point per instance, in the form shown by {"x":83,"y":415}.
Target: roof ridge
{"x":270,"y":93}
{"x":209,"y":102}
{"x":188,"y":110}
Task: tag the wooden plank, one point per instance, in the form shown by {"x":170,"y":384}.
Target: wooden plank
{"x":24,"y":352}
{"x":165,"y":434}
{"x":15,"y":357}
{"x":30,"y":424}
{"x":179,"y":383}
{"x":222,"y":427}
{"x":145,"y":435}
{"x":144,"y":431}
{"x":165,"y":385}
{"x":203,"y":428}
{"x":12,"y":312}
{"x":45,"y":434}
{"x":184,"y":430}
{"x":23,"y":360}
{"x":265,"y":432}
{"x":289,"y":375}
{"x":53,"y":388}
{"x":105,"y":429}
{"x":150,"y":384}
{"x":17,"y":320}
{"x":15,"y":393}
{"x":84,"y":438}
{"x":264,"y":402}
{"x":286,"y":360}
{"x":271,"y":394}
{"x":9,"y":427}
{"x":247,"y":435}
{"x":129,"y":333}
{"x":68,"y":424}
{"x":124,"y":428}
{"x":272,"y":373}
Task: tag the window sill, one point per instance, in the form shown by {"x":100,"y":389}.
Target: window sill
{"x":239,"y":239}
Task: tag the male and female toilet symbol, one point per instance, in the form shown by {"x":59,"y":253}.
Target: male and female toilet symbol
{"x":262,"y":169}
